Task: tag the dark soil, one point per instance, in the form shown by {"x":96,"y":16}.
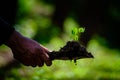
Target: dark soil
{"x":71,"y":51}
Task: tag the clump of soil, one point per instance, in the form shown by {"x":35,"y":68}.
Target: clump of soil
{"x":71,"y":51}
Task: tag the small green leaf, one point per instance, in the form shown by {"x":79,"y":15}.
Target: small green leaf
{"x":76,"y":37}
{"x":74,"y":31}
{"x":81,"y":30}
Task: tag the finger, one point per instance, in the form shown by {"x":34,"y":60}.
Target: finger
{"x":39,"y":61}
{"x":46,"y":59}
{"x":33,"y":62}
{"x":30,"y":60}
{"x":21,"y":60}
{"x":25,"y":62}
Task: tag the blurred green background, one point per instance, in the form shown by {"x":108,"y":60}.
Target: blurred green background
{"x":35,"y":20}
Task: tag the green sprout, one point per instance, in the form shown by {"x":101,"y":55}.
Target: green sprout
{"x":76,"y":33}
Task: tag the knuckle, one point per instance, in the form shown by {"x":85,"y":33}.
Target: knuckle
{"x":41,"y":64}
{"x":49,"y":63}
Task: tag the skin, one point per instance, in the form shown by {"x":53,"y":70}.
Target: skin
{"x":28,"y":51}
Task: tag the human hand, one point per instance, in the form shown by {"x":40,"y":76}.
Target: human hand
{"x":28,"y":51}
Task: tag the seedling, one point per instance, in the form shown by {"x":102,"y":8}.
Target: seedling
{"x":76,"y":32}
{"x":72,"y":50}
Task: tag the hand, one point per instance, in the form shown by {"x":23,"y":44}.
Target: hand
{"x":28,"y":51}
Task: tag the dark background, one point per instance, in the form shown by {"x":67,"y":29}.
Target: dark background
{"x":50,"y":23}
